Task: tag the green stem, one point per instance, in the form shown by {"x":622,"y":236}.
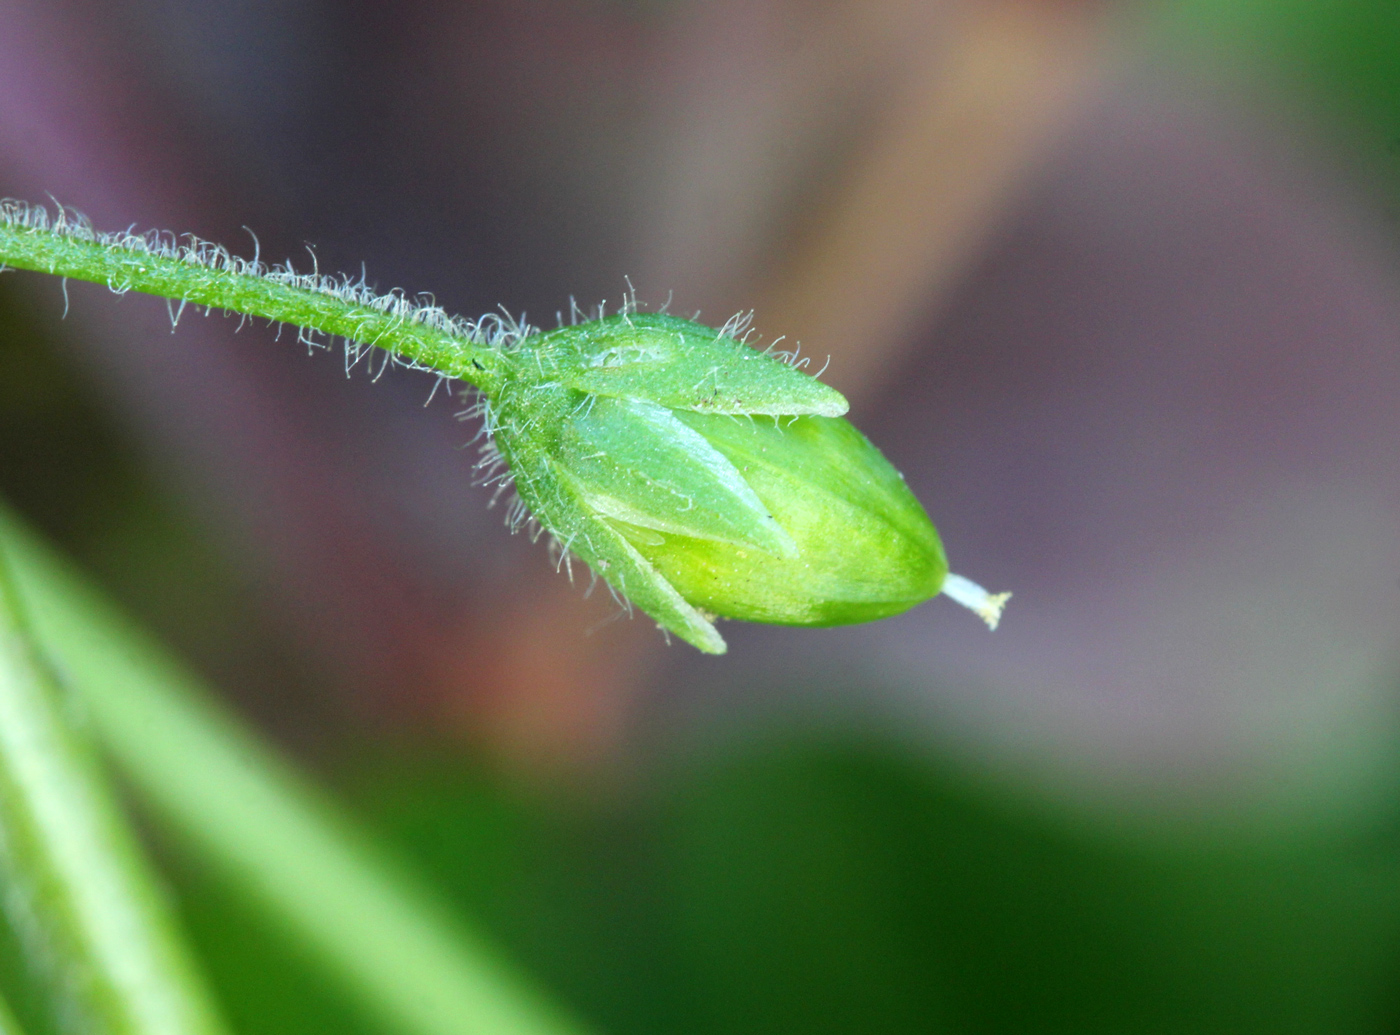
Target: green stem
{"x":198,"y":273}
{"x":284,"y":846}
{"x":79,"y":894}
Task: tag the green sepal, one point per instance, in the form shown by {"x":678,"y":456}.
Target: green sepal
{"x":558,"y":503}
{"x":680,"y":364}
{"x":634,"y":461}
{"x":610,"y":554}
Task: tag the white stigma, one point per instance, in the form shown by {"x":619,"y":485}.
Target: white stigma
{"x":987,"y":606}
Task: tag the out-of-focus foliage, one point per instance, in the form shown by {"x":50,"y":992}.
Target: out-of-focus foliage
{"x":833,"y":883}
{"x":1334,"y":61}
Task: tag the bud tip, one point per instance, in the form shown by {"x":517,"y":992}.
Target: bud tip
{"x":987,"y":606}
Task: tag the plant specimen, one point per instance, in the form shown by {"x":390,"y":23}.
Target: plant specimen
{"x":700,"y":477}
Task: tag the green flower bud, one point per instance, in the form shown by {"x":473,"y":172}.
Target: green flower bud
{"x":702,"y":478}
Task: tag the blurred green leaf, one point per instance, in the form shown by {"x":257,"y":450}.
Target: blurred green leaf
{"x":84,"y":905}
{"x":841,"y":882}
{"x":1333,"y":60}
{"x":290,"y":852}
{"x":9,"y":1025}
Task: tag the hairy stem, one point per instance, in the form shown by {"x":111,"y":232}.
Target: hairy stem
{"x":79,"y":894}
{"x":195,"y":272}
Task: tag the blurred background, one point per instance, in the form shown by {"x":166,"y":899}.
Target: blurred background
{"x":1116,"y":285}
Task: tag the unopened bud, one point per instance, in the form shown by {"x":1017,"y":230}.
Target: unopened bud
{"x":705,"y":479}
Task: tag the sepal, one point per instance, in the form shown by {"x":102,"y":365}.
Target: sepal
{"x":683,"y":365}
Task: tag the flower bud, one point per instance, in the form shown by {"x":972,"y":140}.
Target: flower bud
{"x":702,"y":478}
{"x":865,"y":548}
